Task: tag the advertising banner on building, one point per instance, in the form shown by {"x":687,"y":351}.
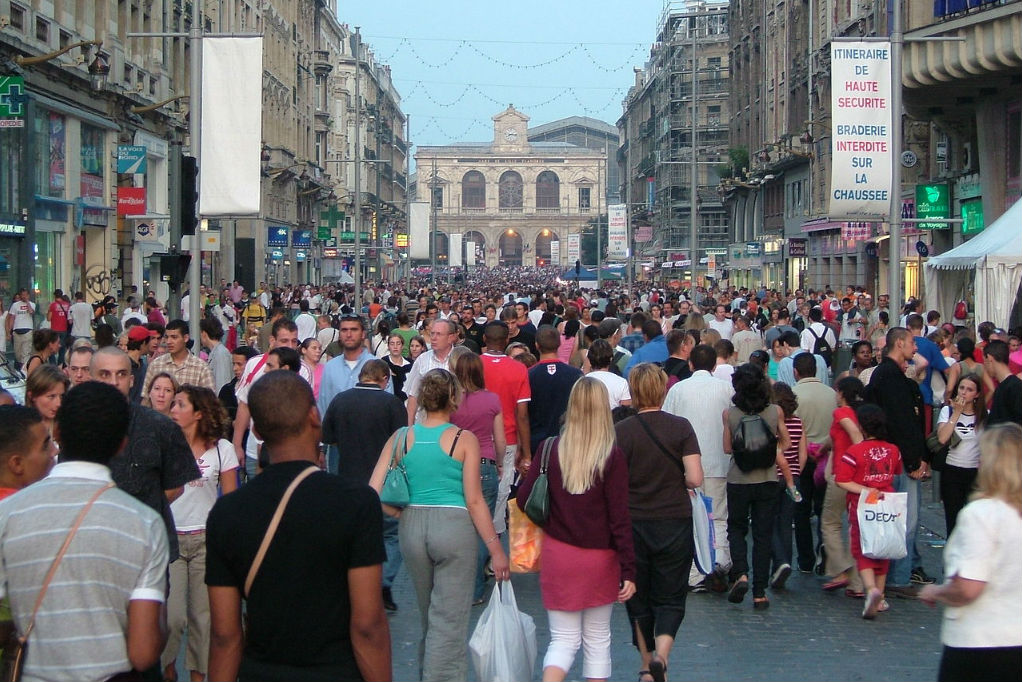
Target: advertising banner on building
{"x":470,"y":254}
{"x":301,"y":238}
{"x":231,"y":139}
{"x":131,"y":159}
{"x":862,"y":145}
{"x":131,"y":201}
{"x":418,"y":230}
{"x":454,"y":251}
{"x":276,"y":235}
{"x":617,"y":232}
{"x":574,"y":248}
{"x":555,"y":252}
{"x":933,"y":201}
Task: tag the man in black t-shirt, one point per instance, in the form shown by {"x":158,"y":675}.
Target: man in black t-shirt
{"x":315,"y":610}
{"x":515,"y":333}
{"x":1006,"y":404}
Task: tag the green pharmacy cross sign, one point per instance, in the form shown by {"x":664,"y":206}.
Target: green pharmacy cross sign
{"x":328,"y":222}
{"x":12,"y":102}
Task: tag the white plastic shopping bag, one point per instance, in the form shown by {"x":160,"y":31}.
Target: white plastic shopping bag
{"x":503,"y":645}
{"x":702,"y":531}
{"x":882,"y":524}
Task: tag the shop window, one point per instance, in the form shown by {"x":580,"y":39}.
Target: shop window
{"x":50,"y":160}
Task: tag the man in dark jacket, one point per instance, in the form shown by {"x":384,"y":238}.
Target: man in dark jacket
{"x":902,"y":402}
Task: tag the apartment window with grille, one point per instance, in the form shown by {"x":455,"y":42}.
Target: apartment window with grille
{"x":129,"y":74}
{"x":438,"y":197}
{"x":152,"y":86}
{"x":42,"y":30}
{"x":713,"y":115}
{"x":17,"y":17}
{"x":65,"y":39}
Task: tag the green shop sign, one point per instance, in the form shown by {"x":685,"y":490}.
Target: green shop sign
{"x":933,"y":201}
{"x":972,"y":217}
{"x":12,"y":102}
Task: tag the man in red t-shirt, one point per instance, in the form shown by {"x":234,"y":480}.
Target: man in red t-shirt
{"x":509,"y":379}
{"x":56,"y":315}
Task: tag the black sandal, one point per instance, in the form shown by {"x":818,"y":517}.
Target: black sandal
{"x":657,"y":669}
{"x":737,"y":592}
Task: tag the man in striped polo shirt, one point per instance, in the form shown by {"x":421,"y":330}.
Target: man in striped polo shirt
{"x":102,"y":612}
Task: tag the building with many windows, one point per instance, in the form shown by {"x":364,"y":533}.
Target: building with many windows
{"x":520,"y":202}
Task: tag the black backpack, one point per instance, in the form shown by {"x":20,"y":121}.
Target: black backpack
{"x":821,"y":347}
{"x":753,"y":443}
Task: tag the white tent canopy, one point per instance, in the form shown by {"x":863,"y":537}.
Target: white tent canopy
{"x":992,"y":261}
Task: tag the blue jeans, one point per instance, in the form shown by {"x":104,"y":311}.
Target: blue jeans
{"x":391,"y":544}
{"x":251,"y":468}
{"x":781,"y":549}
{"x":488,"y":479}
{"x":901,"y":569}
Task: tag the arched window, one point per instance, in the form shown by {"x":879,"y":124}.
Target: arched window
{"x":510,"y":195}
{"x":548,"y":190}
{"x":473,"y":190}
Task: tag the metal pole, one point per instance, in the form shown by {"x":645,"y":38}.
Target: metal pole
{"x":599,"y":220}
{"x":174,"y":181}
{"x":195,"y":121}
{"x":894,"y":244}
{"x":408,"y":196}
{"x":693,"y":211}
{"x":356,"y":220}
{"x":433,"y":226}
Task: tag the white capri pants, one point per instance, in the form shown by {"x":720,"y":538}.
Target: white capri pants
{"x":589,"y":628}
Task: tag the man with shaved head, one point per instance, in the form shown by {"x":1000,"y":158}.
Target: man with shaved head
{"x":332,"y":625}
{"x":157,"y":461}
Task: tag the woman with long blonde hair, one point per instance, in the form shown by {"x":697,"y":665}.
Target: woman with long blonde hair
{"x":982,"y":631}
{"x":588,"y":556}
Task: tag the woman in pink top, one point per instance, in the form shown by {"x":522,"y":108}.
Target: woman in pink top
{"x":571,"y":335}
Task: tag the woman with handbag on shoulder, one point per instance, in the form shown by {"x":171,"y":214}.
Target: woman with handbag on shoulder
{"x":588,"y":560}
{"x":443,"y":513}
{"x":960,"y":421}
{"x":664,"y":461}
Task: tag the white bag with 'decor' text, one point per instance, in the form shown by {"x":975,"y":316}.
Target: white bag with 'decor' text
{"x":882,"y":524}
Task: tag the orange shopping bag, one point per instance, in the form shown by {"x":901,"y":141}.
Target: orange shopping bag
{"x":526,"y":538}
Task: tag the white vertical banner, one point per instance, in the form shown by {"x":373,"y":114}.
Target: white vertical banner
{"x":231,"y":131}
{"x":574,"y":248}
{"x":418,"y":230}
{"x":617,"y":232}
{"x":862,"y":148}
{"x":470,"y":253}
{"x":555,"y":252}
{"x":454,"y":250}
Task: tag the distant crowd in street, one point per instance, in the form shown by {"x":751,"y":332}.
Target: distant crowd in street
{"x":231,"y":485}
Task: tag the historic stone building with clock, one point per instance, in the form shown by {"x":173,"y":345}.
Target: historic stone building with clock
{"x":517,"y":201}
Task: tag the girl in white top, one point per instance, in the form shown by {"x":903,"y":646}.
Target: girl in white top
{"x":199,"y":414}
{"x":982,"y":631}
{"x":963,"y":417}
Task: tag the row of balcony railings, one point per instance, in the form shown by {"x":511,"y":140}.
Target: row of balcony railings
{"x":952,"y":9}
{"x":516,"y":210}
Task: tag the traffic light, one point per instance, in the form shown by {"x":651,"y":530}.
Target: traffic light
{"x":174,"y":268}
{"x":189,"y":194}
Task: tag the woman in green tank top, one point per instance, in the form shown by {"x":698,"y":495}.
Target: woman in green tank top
{"x":438,"y":528}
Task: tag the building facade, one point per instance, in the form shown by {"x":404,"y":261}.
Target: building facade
{"x":520,"y":202}
{"x":674,"y":132}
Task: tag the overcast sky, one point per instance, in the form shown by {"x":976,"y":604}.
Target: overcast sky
{"x":456,"y":64}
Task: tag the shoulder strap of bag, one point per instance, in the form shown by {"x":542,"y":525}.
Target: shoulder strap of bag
{"x":401,"y":435}
{"x":659,"y":444}
{"x":60,"y":555}
{"x":814,"y":334}
{"x":544,"y":460}
{"x":272,"y":530}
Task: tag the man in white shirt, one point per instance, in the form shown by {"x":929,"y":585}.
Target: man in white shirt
{"x":816,"y":330}
{"x":442,"y":335}
{"x":851,"y":320}
{"x":720,"y":322}
{"x":19,"y":325}
{"x":745,"y":340}
{"x":305,"y":321}
{"x":702,"y":399}
{"x":134,"y":312}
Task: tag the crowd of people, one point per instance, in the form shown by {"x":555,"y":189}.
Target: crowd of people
{"x":253,"y":460}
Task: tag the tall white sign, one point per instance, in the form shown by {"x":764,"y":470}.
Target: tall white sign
{"x":617,"y":232}
{"x":555,"y":252}
{"x":454,"y":250}
{"x":861,"y":147}
{"x":418,"y":232}
{"x":574,"y":248}
{"x":470,"y":253}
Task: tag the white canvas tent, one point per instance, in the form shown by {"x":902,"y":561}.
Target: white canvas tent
{"x":991,"y":261}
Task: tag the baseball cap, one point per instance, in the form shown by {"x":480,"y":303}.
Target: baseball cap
{"x":138,"y":333}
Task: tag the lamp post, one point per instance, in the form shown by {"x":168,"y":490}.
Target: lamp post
{"x":99,"y":67}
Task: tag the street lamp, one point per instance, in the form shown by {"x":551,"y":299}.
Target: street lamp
{"x":155,"y":106}
{"x":99,"y":67}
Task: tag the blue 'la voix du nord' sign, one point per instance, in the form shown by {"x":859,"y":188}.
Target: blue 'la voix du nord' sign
{"x":276,"y":235}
